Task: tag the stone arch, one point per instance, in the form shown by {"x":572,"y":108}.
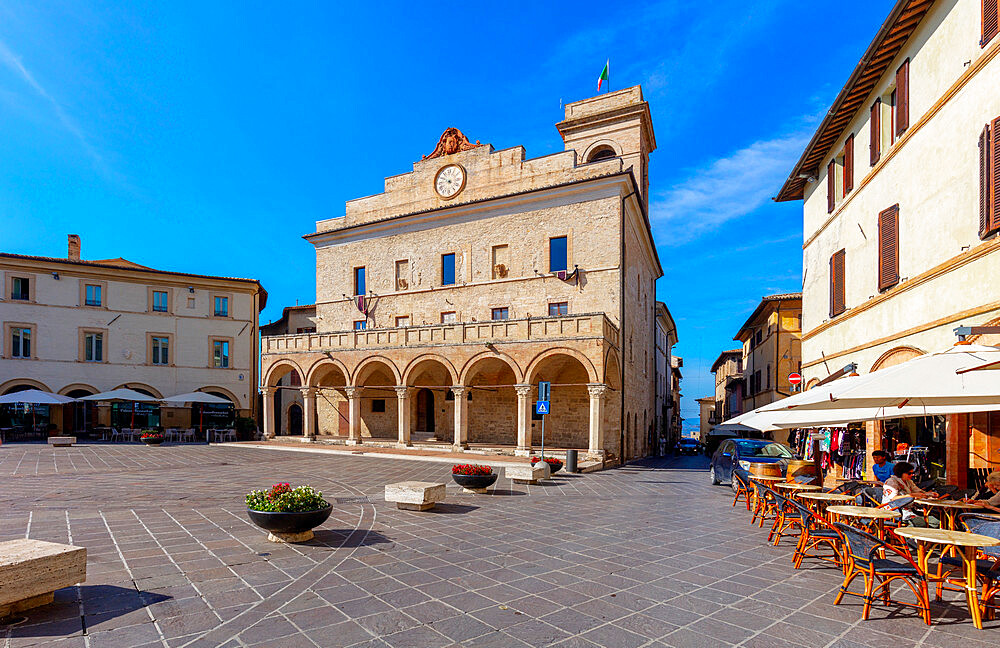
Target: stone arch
{"x":222,"y":391}
{"x":321,"y":367}
{"x":28,"y":383}
{"x":466,"y":372}
{"x":78,"y":387}
{"x":142,"y":388}
{"x":279,"y":370}
{"x":895,"y":356}
{"x":596,"y":151}
{"x":295,"y":427}
{"x":369,"y":365}
{"x":535,"y":364}
{"x":612,"y":370}
{"x":414,"y":366}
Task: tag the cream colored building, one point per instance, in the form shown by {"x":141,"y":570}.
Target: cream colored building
{"x":729,"y":383}
{"x":79,"y":327}
{"x":667,"y":418}
{"x":706,"y":416}
{"x":442,"y":301}
{"x":902,"y":195}
{"x":771,"y":339}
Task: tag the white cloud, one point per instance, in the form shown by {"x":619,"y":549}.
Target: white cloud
{"x":726,"y":189}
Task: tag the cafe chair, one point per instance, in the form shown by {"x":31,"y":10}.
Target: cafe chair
{"x":987,"y":562}
{"x":816,"y":532}
{"x":764,"y":504}
{"x":864,"y":555}
{"x":785,"y":519}
{"x":740,"y":485}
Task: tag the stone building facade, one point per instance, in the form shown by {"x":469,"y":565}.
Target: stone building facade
{"x":666,"y":433}
{"x":772,"y":349}
{"x":442,"y":301}
{"x":729,"y":383}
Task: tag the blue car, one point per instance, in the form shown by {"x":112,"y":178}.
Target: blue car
{"x":740,"y":453}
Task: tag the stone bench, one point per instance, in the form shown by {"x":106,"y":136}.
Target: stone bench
{"x":61,"y":441}
{"x":414,"y":495}
{"x":32,"y":570}
{"x":527,"y":473}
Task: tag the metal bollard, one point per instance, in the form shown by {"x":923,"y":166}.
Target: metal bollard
{"x":571,"y":461}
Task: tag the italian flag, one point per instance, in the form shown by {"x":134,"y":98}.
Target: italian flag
{"x":604,"y":75}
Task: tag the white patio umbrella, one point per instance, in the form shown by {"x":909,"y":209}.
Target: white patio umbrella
{"x":806,"y":418}
{"x":121,"y":395}
{"x":183,"y":400}
{"x":36,"y":397}
{"x":930,"y":381}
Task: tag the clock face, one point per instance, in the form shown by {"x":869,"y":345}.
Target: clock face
{"x":449,"y":181}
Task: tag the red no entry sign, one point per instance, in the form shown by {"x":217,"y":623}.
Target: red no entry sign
{"x":794,"y":378}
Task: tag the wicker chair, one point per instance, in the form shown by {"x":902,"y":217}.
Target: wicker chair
{"x":987,"y":567}
{"x":864,"y":554}
{"x":764,"y":504}
{"x":785,"y":518}
{"x":741,"y":480}
{"x":815,"y":532}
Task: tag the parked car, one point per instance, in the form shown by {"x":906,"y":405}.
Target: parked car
{"x":688,"y":446}
{"x":733,"y":453}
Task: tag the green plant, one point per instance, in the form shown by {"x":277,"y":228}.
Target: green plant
{"x":245,"y":426}
{"x":282,"y":498}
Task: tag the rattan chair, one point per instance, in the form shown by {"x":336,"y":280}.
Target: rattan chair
{"x":764,"y":504}
{"x":987,"y":564}
{"x":864,"y":554}
{"x":785,"y":518}
{"x":815,"y":532}
{"x":740,"y":485}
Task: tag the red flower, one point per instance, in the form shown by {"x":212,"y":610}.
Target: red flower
{"x":471,"y":469}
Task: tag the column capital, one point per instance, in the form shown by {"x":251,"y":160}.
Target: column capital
{"x":596,"y":390}
{"x":523,"y":390}
{"x":268,"y":391}
{"x":308,"y":392}
{"x":458,"y":390}
{"x":352,"y":392}
{"x":402,"y":391}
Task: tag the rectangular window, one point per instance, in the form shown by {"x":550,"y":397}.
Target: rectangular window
{"x":220,"y":354}
{"x":360,"y":287}
{"x":378,"y":405}
{"x":500,"y":313}
{"x":93,"y":295}
{"x":20,"y":344}
{"x":161,"y":350}
{"x":360,"y":325}
{"x":557,"y":309}
{"x":402,"y":274}
{"x":19,"y":288}
{"x":93,"y":347}
{"x":838,"y":299}
{"x":449,"y":317}
{"x":501,"y":261}
{"x":191,"y":302}
{"x":221,"y":307}
{"x":888,"y":248}
{"x":991,"y":21}
{"x":558,"y":254}
{"x":160,"y":302}
{"x":402,"y":320}
{"x":305,"y":329}
{"x":892,"y":116}
{"x":448,"y":269}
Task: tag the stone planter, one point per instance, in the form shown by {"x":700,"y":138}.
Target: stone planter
{"x":554,"y":466}
{"x":290,"y":527}
{"x":153,"y":442}
{"x":475,"y":483}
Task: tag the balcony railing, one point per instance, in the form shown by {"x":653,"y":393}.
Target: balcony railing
{"x":588,"y":325}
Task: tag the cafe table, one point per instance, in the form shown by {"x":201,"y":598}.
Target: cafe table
{"x":966,"y":545}
{"x":950,"y":509}
{"x":879,"y":515}
{"x":820,"y":501}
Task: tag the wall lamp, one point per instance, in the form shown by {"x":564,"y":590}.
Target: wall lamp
{"x":55,"y":275}
{"x":190,"y":289}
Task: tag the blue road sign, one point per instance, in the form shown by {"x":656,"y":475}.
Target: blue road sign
{"x":544,"y":390}
{"x":542,"y":407}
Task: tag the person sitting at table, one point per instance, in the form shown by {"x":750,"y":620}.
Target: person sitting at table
{"x":881,"y":466}
{"x":901,"y":485}
{"x":989,"y":497}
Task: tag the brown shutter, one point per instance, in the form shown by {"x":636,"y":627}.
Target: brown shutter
{"x":995,"y":180}
{"x":984,"y":182}
{"x":831,"y":187}
{"x":991,"y":24}
{"x":849,"y":165}
{"x":875,"y":133}
{"x":903,"y":98}
{"x":838,"y":302}
{"x":888,"y":248}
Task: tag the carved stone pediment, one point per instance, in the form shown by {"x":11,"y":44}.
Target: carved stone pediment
{"x":452,"y":141}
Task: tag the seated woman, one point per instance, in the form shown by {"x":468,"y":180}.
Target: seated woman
{"x":901,"y":485}
{"x":989,"y":497}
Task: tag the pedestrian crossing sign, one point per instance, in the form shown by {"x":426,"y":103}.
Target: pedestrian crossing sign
{"x":542,"y":407}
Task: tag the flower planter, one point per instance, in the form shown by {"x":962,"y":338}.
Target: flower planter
{"x":554,"y":465}
{"x":153,"y":441}
{"x":475,"y":483}
{"x":290,"y":527}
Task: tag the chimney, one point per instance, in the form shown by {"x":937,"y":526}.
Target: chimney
{"x":73,"y":248}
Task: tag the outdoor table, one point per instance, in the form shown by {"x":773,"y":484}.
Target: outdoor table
{"x":950,"y":508}
{"x":766,"y":480}
{"x":966,"y":544}
{"x":879,"y":515}
{"x":822,"y":500}
{"x":793,"y":489}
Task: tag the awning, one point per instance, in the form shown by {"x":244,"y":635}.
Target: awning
{"x":194,"y":397}
{"x":127,"y":395}
{"x":36,"y":397}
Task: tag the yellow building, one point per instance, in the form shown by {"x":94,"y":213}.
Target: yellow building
{"x":771,"y":339}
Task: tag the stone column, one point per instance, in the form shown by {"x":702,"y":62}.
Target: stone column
{"x":309,"y":413}
{"x":403,"y":407}
{"x":523,"y":419}
{"x":596,"y":445}
{"x":354,"y":416}
{"x":461,"y":418}
{"x":269,"y":412}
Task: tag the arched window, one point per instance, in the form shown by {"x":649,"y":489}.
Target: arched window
{"x":602,"y":153}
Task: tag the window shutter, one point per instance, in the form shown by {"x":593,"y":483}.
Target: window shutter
{"x":838,"y":303}
{"x":985,"y":196}
{"x":995,"y":180}
{"x":991,"y":9}
{"x":849,"y":165}
{"x":875,"y":146}
{"x":888,"y":248}
{"x":903,"y":98}
{"x":831,"y":187}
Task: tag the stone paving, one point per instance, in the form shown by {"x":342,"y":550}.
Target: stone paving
{"x":645,"y":555}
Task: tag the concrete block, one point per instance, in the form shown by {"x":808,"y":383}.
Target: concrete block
{"x":527,"y":473}
{"x":414,"y":495}
{"x":31,"y":570}
{"x":61,"y":441}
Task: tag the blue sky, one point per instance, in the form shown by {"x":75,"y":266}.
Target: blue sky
{"x":207,"y":137}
